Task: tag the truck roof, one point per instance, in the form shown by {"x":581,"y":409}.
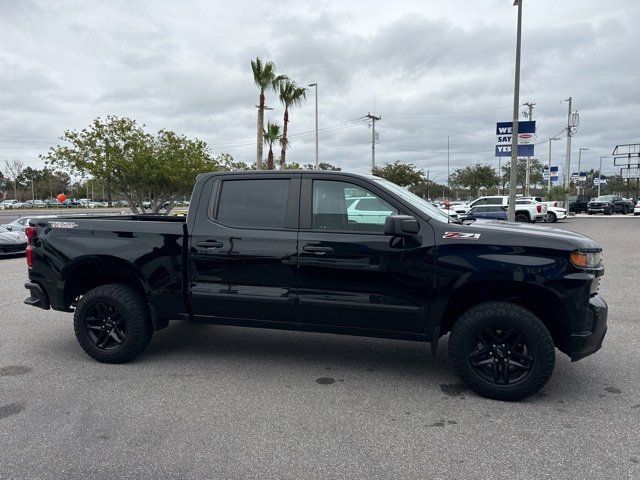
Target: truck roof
{"x":288,"y":172}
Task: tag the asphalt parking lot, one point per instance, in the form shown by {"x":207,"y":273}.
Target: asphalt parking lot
{"x":225,"y":402}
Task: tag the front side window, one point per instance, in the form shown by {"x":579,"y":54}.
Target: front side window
{"x":260,"y":203}
{"x":343,"y":206}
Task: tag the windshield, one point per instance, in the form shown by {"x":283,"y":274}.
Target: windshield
{"x":419,"y":203}
{"x":605,"y":198}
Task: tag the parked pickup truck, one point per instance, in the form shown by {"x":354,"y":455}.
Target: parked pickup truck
{"x":280,"y":250}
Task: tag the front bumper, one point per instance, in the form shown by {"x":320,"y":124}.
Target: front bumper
{"x":585,"y":343}
{"x":37,"y":296}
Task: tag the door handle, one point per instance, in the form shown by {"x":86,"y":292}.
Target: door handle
{"x":317,"y":249}
{"x":209,"y":244}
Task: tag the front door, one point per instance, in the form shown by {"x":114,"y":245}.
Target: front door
{"x":350,"y":273}
{"x":243,"y":248}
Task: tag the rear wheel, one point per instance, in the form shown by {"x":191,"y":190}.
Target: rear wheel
{"x":111,"y":323}
{"x":502,"y":351}
{"x":521,"y":217}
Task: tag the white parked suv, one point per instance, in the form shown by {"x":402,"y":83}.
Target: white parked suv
{"x":7,"y":204}
{"x":527,"y":209}
{"x":636,"y":209}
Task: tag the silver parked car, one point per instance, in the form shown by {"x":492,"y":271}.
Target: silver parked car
{"x":12,"y":243}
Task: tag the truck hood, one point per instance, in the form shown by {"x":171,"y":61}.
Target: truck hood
{"x":526,"y":235}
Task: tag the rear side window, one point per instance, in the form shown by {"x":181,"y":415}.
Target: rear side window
{"x":494,"y":201}
{"x":254,"y":203}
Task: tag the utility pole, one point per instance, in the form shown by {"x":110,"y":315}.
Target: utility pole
{"x":514,"y":129}
{"x":373,"y":119}
{"x":33,"y":192}
{"x":527,"y":179}
{"x":428,"y":197}
{"x":549,"y":167}
{"x":317,"y":156}
{"x":567,"y":164}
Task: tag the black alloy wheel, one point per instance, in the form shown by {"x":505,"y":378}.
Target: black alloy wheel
{"x":112,"y":323}
{"x":105,"y":325}
{"x":502,"y":350}
{"x":500,"y":355}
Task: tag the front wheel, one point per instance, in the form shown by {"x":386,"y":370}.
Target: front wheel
{"x":112,"y":324}
{"x":551,"y":217}
{"x":502,"y":351}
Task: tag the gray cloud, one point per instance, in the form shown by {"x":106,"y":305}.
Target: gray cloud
{"x":434,"y":70}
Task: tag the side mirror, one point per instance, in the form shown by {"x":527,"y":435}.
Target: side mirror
{"x":401,"y":226}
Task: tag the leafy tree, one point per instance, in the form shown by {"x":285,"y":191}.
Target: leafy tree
{"x":271,"y":135}
{"x":403,"y":174}
{"x":535,"y":173}
{"x":290,"y":95}
{"x":430,"y":189}
{"x":474,"y":177}
{"x":264,"y":76}
{"x":321,"y":166}
{"x":119,"y":153}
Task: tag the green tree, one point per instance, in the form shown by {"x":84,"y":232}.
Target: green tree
{"x":474,"y":177}
{"x":271,"y":135}
{"x":321,"y":166}
{"x":121,"y":154}
{"x":430,"y":189}
{"x":290,"y":95}
{"x":403,"y":174}
{"x":265,"y":78}
{"x":535,"y":173}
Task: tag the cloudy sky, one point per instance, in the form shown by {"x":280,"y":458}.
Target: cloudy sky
{"x":431,"y":69}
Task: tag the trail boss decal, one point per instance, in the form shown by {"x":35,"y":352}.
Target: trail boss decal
{"x":63,"y":224}
{"x":461,"y":236}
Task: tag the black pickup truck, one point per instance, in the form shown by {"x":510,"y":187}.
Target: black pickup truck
{"x":293,"y":250}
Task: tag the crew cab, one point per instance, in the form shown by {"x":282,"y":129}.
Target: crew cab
{"x":525,"y":211}
{"x":283,"y":250}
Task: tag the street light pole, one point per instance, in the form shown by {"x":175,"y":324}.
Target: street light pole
{"x":549,"y":167}
{"x":316,"y":91}
{"x":514,"y":129}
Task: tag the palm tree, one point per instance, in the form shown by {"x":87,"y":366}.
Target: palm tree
{"x":271,"y":136}
{"x":290,"y":95}
{"x":264,"y":75}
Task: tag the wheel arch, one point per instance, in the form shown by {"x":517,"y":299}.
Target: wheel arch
{"x":541,"y":301}
{"x":80,"y":276}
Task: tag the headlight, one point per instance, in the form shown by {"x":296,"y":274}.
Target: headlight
{"x":585,"y":259}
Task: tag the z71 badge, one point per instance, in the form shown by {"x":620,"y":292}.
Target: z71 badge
{"x":461,"y":236}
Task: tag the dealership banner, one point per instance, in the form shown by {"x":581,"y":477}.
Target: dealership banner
{"x":554,"y":174}
{"x":526,"y":138}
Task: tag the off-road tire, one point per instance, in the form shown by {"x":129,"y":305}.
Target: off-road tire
{"x":134,"y":312}
{"x":509,"y":315}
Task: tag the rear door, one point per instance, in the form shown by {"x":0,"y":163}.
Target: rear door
{"x":350,"y":273}
{"x":243,"y":248}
